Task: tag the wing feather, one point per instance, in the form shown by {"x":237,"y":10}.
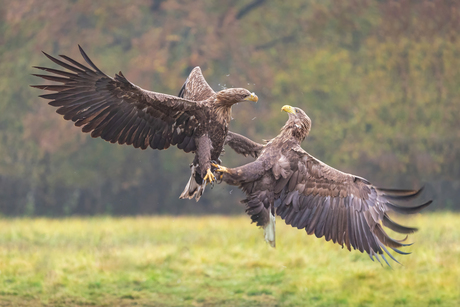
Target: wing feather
{"x":330,"y":225}
{"x":319,"y":229}
{"x":195,"y":87}
{"x":110,"y":108}
{"x":243,"y":145}
{"x":341,"y":220}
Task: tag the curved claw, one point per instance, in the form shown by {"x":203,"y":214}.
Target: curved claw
{"x":220,"y":168}
{"x":219,"y":161}
{"x":210,"y":178}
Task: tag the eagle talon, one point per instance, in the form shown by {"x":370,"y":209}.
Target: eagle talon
{"x":220,"y":168}
{"x":219,"y":161}
{"x":210,"y":178}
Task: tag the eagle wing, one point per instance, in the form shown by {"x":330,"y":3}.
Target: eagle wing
{"x":243,"y":145}
{"x":195,"y":87}
{"x":119,"y":111}
{"x":344,"y":208}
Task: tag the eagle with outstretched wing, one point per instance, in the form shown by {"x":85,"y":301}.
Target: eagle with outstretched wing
{"x":308,"y":194}
{"x":120,"y":112}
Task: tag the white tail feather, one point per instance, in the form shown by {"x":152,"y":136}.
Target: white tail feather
{"x":193,"y":189}
{"x":269,"y":231}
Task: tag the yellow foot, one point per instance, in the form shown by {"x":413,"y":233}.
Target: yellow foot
{"x":209,"y":176}
{"x":220,"y":168}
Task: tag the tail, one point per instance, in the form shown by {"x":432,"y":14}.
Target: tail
{"x":269,"y":231}
{"x":193,"y":188}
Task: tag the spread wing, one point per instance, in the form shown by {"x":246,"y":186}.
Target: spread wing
{"x":196,"y":88}
{"x":117,"y":110}
{"x":342,"y":207}
{"x":242,"y":145}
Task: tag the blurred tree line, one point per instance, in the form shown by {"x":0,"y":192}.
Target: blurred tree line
{"x":380,"y":80}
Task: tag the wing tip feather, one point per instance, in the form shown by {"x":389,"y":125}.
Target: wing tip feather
{"x":408,"y":210}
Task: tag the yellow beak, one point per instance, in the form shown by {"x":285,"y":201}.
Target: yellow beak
{"x":253,"y":97}
{"x":288,"y":109}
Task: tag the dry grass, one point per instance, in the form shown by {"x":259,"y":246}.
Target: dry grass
{"x":215,"y":260}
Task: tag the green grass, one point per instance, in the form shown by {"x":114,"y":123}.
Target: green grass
{"x":221,"y":261}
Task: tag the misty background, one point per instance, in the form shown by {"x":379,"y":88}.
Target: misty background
{"x":379,"y":79}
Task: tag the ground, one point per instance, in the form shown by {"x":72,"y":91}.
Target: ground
{"x":217,"y":261}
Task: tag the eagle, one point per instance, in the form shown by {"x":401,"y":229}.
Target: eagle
{"x":196,"y":88}
{"x":119,"y":111}
{"x":306,"y":193}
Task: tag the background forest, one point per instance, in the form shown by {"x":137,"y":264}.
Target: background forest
{"x":379,"y":79}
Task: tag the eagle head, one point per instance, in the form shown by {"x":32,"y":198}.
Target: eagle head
{"x":299,"y":124}
{"x":230,"y":96}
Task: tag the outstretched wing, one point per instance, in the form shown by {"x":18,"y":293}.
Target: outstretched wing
{"x":242,"y":145}
{"x":342,"y":207}
{"x":196,"y":88}
{"x":117,"y":110}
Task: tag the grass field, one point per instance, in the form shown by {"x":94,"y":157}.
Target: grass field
{"x":216,"y":261}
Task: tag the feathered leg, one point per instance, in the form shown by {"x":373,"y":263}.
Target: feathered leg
{"x":195,"y":185}
{"x":201,"y":170}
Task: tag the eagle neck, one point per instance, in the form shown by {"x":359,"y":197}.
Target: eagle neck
{"x":223,"y":111}
{"x":291,"y":129}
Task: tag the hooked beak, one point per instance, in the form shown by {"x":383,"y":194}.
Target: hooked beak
{"x":288,"y":109}
{"x":253,"y":97}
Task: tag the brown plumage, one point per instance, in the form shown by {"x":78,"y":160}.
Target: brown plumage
{"x":196,"y":88}
{"x":308,"y":194}
{"x":120,"y":112}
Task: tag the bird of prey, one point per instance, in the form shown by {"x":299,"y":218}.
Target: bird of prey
{"x":197,"y":89}
{"x":309,"y":194}
{"x":120,"y":112}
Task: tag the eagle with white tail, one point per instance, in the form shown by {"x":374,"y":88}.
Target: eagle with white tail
{"x":308,"y":194}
